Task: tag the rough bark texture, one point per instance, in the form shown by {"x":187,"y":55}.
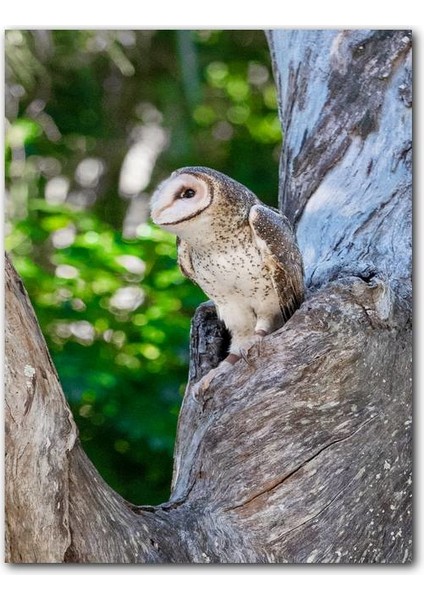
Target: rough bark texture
{"x":303,"y":452}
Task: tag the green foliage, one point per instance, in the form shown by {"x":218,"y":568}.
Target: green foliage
{"x":111,"y":302}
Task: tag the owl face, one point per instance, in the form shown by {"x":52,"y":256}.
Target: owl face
{"x":181,"y":198}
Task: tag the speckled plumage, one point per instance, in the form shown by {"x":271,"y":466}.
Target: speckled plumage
{"x":242,"y":253}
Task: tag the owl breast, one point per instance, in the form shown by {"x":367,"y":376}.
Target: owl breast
{"x":234,"y":276}
{"x":237,"y":271}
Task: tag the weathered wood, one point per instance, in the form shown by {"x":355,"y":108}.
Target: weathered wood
{"x":58,"y":508}
{"x":345,"y":176}
{"x":307,"y":448}
{"x":39,"y":432}
{"x":302,"y":453}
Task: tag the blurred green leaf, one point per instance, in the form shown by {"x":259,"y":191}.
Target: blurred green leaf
{"x":22,"y":132}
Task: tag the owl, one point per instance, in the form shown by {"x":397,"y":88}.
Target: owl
{"x":242,"y":253}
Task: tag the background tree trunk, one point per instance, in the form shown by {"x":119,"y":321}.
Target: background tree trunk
{"x":303,"y":453}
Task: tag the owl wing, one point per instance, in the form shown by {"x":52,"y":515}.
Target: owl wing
{"x":276,"y":242}
{"x":184,"y":260}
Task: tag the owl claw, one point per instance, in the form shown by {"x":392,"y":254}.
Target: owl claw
{"x":243,"y":355}
{"x":254,"y":348}
{"x":260,"y":334}
{"x":258,"y":347}
{"x":201,"y":386}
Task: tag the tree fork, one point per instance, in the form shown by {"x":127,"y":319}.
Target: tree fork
{"x":303,"y":452}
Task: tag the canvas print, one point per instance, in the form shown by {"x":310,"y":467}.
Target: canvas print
{"x":208,"y":296}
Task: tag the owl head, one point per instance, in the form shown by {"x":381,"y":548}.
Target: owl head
{"x":196,"y":197}
{"x":180,"y":198}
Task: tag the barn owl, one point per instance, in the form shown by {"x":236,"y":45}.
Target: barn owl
{"x":242,"y":253}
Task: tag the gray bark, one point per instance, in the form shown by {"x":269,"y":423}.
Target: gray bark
{"x":303,"y":452}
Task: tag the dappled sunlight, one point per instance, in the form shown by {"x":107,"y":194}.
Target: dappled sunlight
{"x":138,"y":164}
{"x":66,"y":272}
{"x":132,"y":264}
{"x":126,"y":299}
{"x":89,"y":171}
{"x":56,"y":190}
{"x":64,"y":237}
{"x":83,"y":331}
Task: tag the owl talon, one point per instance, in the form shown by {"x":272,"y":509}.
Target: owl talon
{"x":201,"y":386}
{"x":254,"y":348}
{"x":258,"y":348}
{"x":260,"y":334}
{"x":243,"y":355}
{"x":199,"y":389}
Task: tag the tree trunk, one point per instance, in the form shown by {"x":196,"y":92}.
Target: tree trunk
{"x":303,"y":452}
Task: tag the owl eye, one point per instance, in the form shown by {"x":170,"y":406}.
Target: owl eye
{"x":187,"y":193}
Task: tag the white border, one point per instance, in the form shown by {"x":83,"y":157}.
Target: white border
{"x":232,"y":582}
{"x":220,"y":13}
